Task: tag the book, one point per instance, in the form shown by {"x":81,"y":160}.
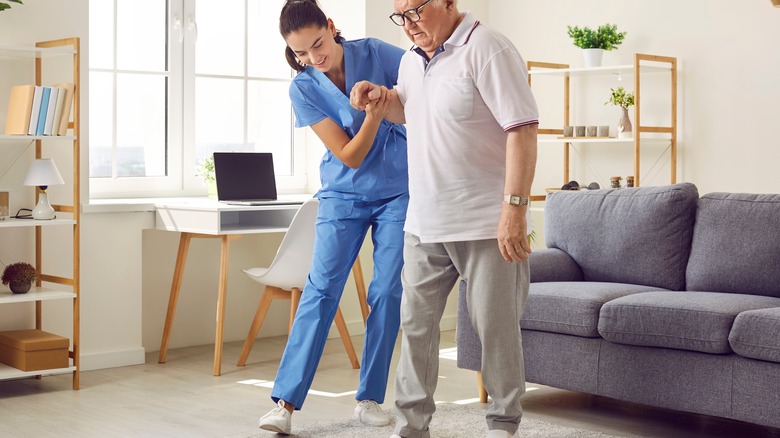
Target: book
{"x":35,"y":111}
{"x":51,"y":110}
{"x":20,"y":102}
{"x":44,"y":109}
{"x":67,"y":105}
{"x":55,"y":126}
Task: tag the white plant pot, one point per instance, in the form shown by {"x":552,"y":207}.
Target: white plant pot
{"x":593,"y":57}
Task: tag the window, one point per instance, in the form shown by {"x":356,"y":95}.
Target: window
{"x":173,"y":81}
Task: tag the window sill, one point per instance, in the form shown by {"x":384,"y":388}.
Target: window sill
{"x":126,"y":205}
{"x":139,"y":205}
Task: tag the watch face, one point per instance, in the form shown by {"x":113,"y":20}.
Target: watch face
{"x":515,"y":200}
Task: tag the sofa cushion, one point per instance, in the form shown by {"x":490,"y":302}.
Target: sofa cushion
{"x":755,"y":334}
{"x":736,"y":244}
{"x":552,"y":264}
{"x":635,"y":235}
{"x":696,"y":321}
{"x":571,"y":308}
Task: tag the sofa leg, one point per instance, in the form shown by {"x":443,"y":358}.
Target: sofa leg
{"x":483,"y":395}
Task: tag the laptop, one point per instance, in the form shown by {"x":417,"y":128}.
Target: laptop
{"x":246,"y":178}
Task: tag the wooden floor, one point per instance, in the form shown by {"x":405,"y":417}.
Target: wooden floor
{"x":182,"y":399}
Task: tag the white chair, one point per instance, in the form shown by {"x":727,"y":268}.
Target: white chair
{"x":287,"y":275}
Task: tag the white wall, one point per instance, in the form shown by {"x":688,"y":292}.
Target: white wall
{"x":728,"y":84}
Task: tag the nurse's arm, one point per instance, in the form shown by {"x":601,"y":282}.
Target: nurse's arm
{"x":351,"y":152}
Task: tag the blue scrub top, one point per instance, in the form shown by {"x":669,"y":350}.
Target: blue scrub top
{"x":383,"y":173}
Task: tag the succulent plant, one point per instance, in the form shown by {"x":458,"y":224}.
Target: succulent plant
{"x":20,"y":272}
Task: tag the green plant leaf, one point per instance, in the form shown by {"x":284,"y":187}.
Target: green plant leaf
{"x":604,"y":37}
{"x":205,"y":170}
{"x":619,"y":97}
{"x":4,"y":5}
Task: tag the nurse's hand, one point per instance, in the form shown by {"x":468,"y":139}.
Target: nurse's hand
{"x":363,"y":93}
{"x":379,"y":108}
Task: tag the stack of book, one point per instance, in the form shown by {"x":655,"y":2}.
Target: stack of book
{"x":39,"y":110}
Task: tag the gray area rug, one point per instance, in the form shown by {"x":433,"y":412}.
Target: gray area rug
{"x":449,"y":421}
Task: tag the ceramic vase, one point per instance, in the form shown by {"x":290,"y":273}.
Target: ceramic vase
{"x":20,"y":287}
{"x":624,"y":125}
{"x":593,"y":57}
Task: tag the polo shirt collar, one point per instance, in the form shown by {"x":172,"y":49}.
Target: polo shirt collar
{"x":459,"y":37}
{"x":463,"y":32}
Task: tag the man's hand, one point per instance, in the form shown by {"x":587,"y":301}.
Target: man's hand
{"x":380,"y":107}
{"x":363,"y":93}
{"x":512,"y":238}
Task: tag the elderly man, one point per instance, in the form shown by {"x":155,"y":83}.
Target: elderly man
{"x":471,"y":125}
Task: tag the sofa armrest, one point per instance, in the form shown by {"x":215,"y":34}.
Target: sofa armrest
{"x":553,"y":264}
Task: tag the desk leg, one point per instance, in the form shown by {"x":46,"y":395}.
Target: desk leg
{"x":181,"y":260}
{"x":221,"y":298}
{"x":360,"y":285}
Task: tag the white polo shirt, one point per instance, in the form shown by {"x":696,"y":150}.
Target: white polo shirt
{"x":458,"y":108}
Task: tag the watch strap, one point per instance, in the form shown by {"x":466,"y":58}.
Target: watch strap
{"x":515,"y":200}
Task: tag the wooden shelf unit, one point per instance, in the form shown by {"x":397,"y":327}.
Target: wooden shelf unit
{"x":643,"y":64}
{"x":57,"y":287}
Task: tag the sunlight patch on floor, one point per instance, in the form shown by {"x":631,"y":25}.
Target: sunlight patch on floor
{"x":270,"y":385}
{"x":449,"y":353}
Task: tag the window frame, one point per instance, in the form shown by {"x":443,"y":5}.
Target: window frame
{"x":181,"y":179}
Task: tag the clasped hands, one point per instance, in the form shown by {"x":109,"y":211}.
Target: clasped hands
{"x":365,"y":94}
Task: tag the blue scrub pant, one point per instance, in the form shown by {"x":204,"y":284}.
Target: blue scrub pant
{"x":339,"y":233}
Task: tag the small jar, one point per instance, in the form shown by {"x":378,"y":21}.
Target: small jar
{"x":629,"y":181}
{"x":614,"y":182}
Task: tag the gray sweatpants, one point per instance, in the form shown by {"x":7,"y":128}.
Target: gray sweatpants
{"x":496,"y":293}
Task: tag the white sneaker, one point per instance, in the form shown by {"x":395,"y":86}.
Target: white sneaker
{"x":370,"y":414}
{"x":498,"y":433}
{"x":279,"y":420}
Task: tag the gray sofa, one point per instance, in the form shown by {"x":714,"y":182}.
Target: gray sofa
{"x":655,"y":296}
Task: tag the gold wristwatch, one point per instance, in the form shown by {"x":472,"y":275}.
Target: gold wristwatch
{"x":515,"y":200}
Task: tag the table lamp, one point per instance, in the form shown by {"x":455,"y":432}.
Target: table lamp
{"x":43,"y":173}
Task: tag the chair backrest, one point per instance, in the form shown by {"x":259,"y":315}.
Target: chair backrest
{"x":290,"y":267}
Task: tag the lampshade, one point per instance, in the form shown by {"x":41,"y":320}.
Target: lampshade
{"x":43,"y":172}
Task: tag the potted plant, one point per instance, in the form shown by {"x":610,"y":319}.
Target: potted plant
{"x":19,"y":277}
{"x":595,"y":42}
{"x":205,"y":170}
{"x":619,"y":97}
{"x":4,"y":5}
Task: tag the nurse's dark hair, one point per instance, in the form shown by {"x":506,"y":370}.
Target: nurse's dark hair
{"x":296,"y":15}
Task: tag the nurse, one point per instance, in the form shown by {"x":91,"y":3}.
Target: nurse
{"x":364,"y":185}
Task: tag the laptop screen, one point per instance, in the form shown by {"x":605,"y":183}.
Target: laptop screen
{"x":245,"y":176}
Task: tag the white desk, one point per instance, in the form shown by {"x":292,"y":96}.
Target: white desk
{"x":205,"y":218}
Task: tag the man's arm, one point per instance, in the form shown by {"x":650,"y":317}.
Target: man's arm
{"x":365,"y":92}
{"x":520,"y":169}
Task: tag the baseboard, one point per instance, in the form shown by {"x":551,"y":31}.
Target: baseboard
{"x":112,"y":359}
{"x":137,"y":356}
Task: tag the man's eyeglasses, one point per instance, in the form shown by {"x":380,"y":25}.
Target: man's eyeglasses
{"x":413,"y":15}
